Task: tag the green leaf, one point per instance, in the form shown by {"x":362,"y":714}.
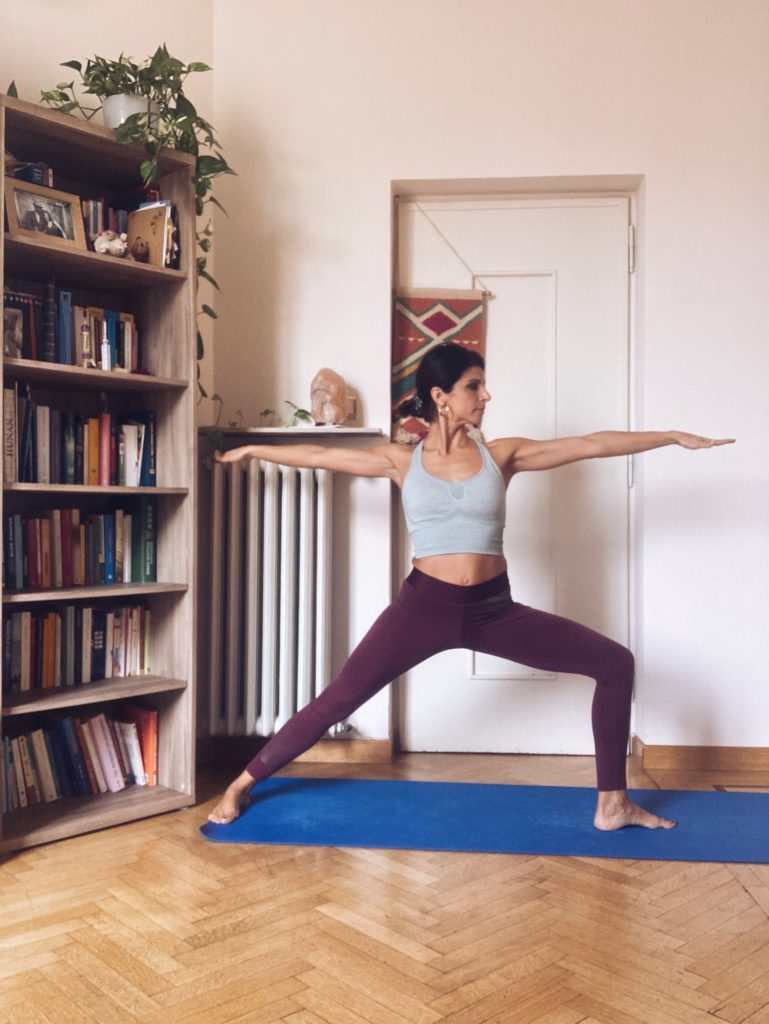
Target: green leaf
{"x":74,"y":64}
{"x":207,"y":166}
{"x":211,"y":280}
{"x":12,"y":91}
{"x":67,"y":108}
{"x":209,"y":312}
{"x":147,"y":170}
{"x":203,"y":185}
{"x":197,"y":65}
{"x":124,"y":134}
{"x":215,"y":439}
{"x":185,"y":109}
{"x":212,"y":199}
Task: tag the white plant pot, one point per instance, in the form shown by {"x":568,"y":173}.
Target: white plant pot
{"x":116,"y":109}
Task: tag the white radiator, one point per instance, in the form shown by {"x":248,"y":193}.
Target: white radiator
{"x":270,"y":565}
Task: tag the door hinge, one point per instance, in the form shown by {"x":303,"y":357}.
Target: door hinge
{"x":631,"y":248}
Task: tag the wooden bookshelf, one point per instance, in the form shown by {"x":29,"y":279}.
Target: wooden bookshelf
{"x":87,"y":162}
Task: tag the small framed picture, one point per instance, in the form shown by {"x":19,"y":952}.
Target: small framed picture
{"x":43,"y":214}
{"x":13,"y":332}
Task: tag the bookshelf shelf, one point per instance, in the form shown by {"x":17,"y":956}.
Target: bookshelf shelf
{"x":88,"y":163}
{"x":47,"y":823}
{"x":89,"y":693}
{"x":113,"y":590}
{"x":89,"y":380}
{"x":76,"y":489}
{"x":104,"y":271}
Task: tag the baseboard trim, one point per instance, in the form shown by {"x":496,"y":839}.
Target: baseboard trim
{"x":683,"y":758}
{"x":236,"y":751}
{"x":350,"y":752}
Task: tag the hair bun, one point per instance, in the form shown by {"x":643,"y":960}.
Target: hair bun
{"x":413,"y":406}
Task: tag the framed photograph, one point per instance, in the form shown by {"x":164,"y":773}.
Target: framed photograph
{"x":51,"y":217}
{"x":13,"y":332}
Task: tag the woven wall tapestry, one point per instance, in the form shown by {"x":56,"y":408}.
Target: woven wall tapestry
{"x":421,"y":320}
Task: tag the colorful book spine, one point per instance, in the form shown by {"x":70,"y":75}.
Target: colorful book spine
{"x":48,"y":341}
{"x":65,"y":349}
{"x":106,"y":753}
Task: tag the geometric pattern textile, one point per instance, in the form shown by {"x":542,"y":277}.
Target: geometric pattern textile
{"x":421,"y":320}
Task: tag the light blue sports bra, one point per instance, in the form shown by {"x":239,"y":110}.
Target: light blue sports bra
{"x":452,"y":516}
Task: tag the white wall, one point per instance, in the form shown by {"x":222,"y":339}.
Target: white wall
{"x":323,"y":103}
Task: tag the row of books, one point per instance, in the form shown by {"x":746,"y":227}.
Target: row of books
{"x":45,"y":445}
{"x":100,"y":213}
{"x":73,"y":645}
{"x":63,"y":547}
{"x":80,"y":756}
{"x":47,"y":325}
{"x":34,"y":171}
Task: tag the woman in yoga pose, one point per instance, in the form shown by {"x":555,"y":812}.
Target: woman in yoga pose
{"x":458,"y":594}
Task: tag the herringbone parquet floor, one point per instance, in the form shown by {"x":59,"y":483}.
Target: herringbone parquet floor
{"x":148,"y":922}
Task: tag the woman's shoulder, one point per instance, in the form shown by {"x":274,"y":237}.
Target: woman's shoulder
{"x":398,"y":453}
{"x":503,"y":446}
{"x":503,"y":450}
{"x":401,"y":453}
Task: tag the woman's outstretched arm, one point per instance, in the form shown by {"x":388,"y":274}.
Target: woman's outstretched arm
{"x":386,"y":460}
{"x":521,"y":454}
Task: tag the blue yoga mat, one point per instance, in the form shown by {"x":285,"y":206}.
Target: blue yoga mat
{"x":482,"y":818}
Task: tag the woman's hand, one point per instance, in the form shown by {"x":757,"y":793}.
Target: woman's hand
{"x":694,"y":441}
{"x":242,"y":454}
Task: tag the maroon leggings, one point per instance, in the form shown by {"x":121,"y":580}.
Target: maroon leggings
{"x":429,"y":616}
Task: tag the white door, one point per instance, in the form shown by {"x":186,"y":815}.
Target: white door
{"x":556,"y":365}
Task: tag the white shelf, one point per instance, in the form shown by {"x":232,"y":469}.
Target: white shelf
{"x":302,"y":432}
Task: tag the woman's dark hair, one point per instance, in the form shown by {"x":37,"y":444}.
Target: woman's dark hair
{"x":441,"y":367}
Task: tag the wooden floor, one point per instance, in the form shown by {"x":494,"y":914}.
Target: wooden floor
{"x":149,"y":922}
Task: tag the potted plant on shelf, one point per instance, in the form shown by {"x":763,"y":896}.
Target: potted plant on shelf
{"x":122,"y":85}
{"x":164,"y":118}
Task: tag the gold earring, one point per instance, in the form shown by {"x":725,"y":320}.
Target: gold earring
{"x":445,"y":408}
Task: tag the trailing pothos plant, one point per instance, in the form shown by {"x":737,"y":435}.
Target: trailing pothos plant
{"x":170,"y":121}
{"x":268,"y":418}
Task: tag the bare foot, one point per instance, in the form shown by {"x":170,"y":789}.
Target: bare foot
{"x":616,"y":810}
{"x":231,"y":803}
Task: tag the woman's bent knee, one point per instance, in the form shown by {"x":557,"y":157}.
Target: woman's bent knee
{"x":619,"y":666}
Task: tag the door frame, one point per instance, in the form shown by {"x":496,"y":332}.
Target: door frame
{"x":625,"y":186}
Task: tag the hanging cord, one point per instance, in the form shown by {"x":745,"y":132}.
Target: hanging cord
{"x":486,"y":290}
